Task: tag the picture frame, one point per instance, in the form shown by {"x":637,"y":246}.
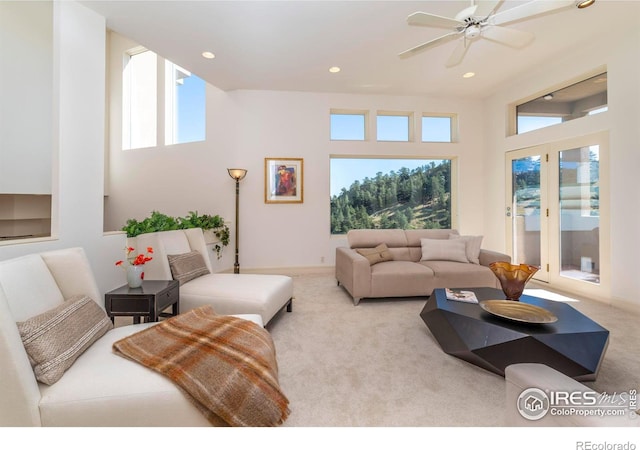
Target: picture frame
{"x":283,"y":180}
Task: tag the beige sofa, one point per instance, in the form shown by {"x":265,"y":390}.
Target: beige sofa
{"x":411,"y":269}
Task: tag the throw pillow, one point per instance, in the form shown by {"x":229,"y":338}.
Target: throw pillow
{"x":56,"y":338}
{"x":187,"y":266}
{"x":444,"y":250}
{"x":376,"y":255}
{"x":473,"y":244}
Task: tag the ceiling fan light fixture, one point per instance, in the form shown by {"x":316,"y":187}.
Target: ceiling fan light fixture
{"x":581,"y":4}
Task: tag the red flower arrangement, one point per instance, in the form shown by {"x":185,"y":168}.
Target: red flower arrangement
{"x":138,"y":260}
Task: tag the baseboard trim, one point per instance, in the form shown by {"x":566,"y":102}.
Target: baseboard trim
{"x":291,"y":271}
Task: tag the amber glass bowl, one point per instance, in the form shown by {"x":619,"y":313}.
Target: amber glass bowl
{"x":512,"y":277}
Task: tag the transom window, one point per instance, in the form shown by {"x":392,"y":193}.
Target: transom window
{"x":587,"y":97}
{"x":439,"y":128}
{"x":394,"y":126}
{"x":348,"y":125}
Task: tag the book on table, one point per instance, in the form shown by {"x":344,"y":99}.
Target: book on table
{"x":461,"y":296}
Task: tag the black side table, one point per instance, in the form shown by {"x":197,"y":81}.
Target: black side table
{"x":149,"y":300}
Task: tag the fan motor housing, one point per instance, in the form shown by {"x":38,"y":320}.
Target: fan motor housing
{"x":472,"y":31}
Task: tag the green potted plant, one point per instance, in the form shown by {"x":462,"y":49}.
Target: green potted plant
{"x":213,"y":225}
{"x":157,"y":221}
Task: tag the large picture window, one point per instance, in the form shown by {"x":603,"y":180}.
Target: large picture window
{"x":368,"y":192}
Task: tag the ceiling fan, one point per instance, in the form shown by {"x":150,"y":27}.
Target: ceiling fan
{"x":480,"y":20}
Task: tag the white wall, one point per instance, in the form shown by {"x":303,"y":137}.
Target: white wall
{"x":78,"y":145}
{"x":618,"y":50}
{"x":26,"y":52}
{"x":294,"y":124}
{"x":243,"y":128}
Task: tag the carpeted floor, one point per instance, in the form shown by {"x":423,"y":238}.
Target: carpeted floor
{"x":377,"y":364}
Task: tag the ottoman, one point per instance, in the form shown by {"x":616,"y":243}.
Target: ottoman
{"x":239,"y":294}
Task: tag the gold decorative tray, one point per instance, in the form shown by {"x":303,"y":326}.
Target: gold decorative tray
{"x":518,"y":311}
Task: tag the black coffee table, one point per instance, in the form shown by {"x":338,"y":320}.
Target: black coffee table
{"x":574,"y":345}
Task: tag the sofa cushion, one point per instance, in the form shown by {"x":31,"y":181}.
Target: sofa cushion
{"x":56,"y":338}
{"x":376,"y":255}
{"x":231,"y":293}
{"x":414,"y":236}
{"x":187,"y":266}
{"x":473,"y":244}
{"x":454,"y":274}
{"x":29,"y":286}
{"x":444,"y":250}
{"x":400,"y":278}
{"x":119,"y":392}
{"x":371,"y":238}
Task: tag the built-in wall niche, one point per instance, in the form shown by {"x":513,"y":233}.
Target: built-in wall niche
{"x":24,"y":216}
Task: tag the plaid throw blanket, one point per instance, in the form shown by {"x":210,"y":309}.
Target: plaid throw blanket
{"x":225,"y":365}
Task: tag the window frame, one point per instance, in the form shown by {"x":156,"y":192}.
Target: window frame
{"x":453,"y":193}
{"x":410,"y":124}
{"x":453,"y":126}
{"x":127,"y":101}
{"x":171,"y":116}
{"x":350,"y":112}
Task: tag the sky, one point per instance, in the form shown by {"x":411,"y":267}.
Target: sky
{"x":344,"y":171}
{"x":191,"y":109}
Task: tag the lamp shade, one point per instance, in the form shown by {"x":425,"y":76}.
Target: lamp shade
{"x":237,"y":174}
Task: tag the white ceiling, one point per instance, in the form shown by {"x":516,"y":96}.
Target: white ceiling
{"x":290,"y":45}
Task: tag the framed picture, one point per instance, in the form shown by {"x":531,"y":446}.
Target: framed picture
{"x":283,"y":180}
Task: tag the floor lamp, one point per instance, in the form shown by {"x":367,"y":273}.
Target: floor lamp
{"x":237,"y":174}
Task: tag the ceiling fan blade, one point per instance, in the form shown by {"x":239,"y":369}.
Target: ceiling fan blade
{"x":430,"y":44}
{"x":508,"y":36}
{"x":431,"y":20}
{"x":458,"y":53}
{"x":485,"y":7}
{"x":527,"y":10}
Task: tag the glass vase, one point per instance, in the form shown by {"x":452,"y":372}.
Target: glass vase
{"x":512,"y":277}
{"x":135,"y":275}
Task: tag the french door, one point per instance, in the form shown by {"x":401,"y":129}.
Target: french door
{"x":557,"y":212}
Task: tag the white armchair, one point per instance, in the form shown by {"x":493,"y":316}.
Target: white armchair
{"x":100,"y":388}
{"x":228,"y":293}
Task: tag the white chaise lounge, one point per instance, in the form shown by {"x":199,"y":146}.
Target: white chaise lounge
{"x":100,"y":388}
{"x":228,"y":293}
{"x":615,"y":407}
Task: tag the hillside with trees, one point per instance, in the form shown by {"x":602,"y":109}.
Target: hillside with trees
{"x":407,"y":199}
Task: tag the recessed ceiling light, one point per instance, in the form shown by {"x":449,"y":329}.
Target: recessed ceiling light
{"x":208,"y":55}
{"x":469,"y":75}
{"x":334,"y":69}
